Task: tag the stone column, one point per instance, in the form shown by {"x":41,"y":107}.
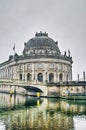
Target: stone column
{"x":17,"y":74}
{"x":14,"y":72}
{"x":63,"y":73}
{"x":33,"y":73}
{"x":45,"y":79}
{"x":23,"y":74}
{"x":55,"y":73}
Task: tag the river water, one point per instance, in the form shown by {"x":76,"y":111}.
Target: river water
{"x":29,"y":113}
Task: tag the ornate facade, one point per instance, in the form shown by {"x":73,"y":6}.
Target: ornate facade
{"x":40,"y":62}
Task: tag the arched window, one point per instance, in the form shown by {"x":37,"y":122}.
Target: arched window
{"x":29,"y":77}
{"x":67,"y":77}
{"x":20,"y":76}
{"x":60,"y":77}
{"x":51,"y":77}
{"x":40,"y":77}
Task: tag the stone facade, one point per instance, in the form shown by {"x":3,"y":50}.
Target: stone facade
{"x":40,"y":62}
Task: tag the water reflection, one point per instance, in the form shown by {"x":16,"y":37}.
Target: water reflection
{"x":8,"y":102}
{"x":2,"y":125}
{"x":80,"y":122}
{"x":30,"y":113}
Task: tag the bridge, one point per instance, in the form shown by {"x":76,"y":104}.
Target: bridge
{"x":28,"y":88}
{"x":48,"y":89}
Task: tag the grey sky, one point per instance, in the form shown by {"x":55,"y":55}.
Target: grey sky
{"x":63,"y":20}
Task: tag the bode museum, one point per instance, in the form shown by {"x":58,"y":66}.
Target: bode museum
{"x":41,"y":61}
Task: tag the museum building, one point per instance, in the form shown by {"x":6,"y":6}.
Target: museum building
{"x":41,"y":61}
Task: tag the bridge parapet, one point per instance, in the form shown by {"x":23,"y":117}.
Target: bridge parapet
{"x":68,"y":83}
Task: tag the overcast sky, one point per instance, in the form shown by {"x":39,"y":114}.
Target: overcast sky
{"x":63,"y":20}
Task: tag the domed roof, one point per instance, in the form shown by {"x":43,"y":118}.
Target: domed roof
{"x":41,"y":41}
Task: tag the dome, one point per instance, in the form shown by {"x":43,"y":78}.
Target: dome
{"x":43,"y":42}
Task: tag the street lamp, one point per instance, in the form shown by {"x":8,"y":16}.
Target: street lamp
{"x":84,"y":75}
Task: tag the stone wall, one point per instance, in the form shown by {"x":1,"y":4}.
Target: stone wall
{"x":51,"y":70}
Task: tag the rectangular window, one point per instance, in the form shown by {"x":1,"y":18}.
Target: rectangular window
{"x":61,"y":67}
{"x":51,"y":66}
{"x":20,"y":67}
{"x":29,"y":66}
{"x":40,"y":66}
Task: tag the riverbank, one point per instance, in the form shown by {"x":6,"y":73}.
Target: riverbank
{"x":66,"y":97}
{"x":74,"y":97}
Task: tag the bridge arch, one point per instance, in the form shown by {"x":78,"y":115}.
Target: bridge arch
{"x":33,"y":88}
